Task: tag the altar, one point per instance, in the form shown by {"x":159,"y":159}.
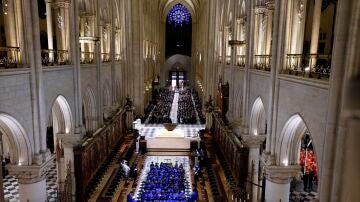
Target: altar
{"x":170,"y":141}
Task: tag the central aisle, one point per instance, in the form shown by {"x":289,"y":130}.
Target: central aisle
{"x":174,"y":108}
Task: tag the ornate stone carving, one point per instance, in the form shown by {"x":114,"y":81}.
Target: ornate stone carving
{"x":253,"y":141}
{"x":260,"y":10}
{"x":61,"y":4}
{"x":267,"y":159}
{"x":270,"y":4}
{"x":281,"y":174}
{"x":30,"y":174}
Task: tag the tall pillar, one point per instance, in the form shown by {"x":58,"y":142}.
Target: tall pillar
{"x":254,"y":142}
{"x":256,"y":31}
{"x":10,"y":22}
{"x":315,"y":31}
{"x":278,"y":178}
{"x":261,"y":29}
{"x":68,"y":143}
{"x":269,"y":26}
{"x":49,"y":27}
{"x":62,"y":19}
{"x":32,"y":181}
{"x":298,"y":26}
{"x":99,"y":101}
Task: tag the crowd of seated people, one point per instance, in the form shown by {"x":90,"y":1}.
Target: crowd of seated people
{"x":186,"y":109}
{"x":198,"y":108}
{"x":164,"y":182}
{"x":161,"y":112}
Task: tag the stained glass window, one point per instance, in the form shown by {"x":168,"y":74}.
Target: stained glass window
{"x":179,"y":15}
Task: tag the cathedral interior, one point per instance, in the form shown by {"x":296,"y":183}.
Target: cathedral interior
{"x":179,"y":100}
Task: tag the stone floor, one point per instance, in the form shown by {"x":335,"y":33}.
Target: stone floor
{"x":11,"y":186}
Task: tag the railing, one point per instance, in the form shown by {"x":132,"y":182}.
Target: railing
{"x":240,"y":60}
{"x":228,"y":60}
{"x":9,"y":57}
{"x":65,"y":188}
{"x":262,"y":62}
{"x":105,"y":57}
{"x":312,"y":65}
{"x":87,"y":58}
{"x":51,"y":57}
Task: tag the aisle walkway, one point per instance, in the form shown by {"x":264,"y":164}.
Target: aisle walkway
{"x":174,"y":108}
{"x":197,"y":115}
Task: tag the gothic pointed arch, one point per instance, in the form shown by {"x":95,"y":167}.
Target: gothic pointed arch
{"x":15,"y":137}
{"x":258,"y":118}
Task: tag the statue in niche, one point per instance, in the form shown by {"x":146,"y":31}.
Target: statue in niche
{"x":87,"y":28}
{"x":60,"y":21}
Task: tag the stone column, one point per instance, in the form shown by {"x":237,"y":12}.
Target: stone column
{"x":68,"y":143}
{"x":298,"y":26}
{"x":256,"y":31}
{"x":102,"y":40}
{"x":270,"y":12}
{"x":97,"y":52}
{"x":32,"y":181}
{"x":250,"y":52}
{"x":49,"y":27}
{"x":62,"y":20}
{"x":278,"y":178}
{"x":261,"y":31}
{"x":315,"y":32}
{"x":10,"y":22}
{"x":234,"y":33}
{"x":75,"y":55}
{"x":113,"y":46}
{"x":254,"y":142}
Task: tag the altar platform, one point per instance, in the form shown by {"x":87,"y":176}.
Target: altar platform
{"x":159,"y":139}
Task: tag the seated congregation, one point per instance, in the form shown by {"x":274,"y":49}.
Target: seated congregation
{"x":186,"y":109}
{"x":165,"y":182}
{"x":161,"y":111}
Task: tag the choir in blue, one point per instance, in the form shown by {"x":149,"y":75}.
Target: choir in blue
{"x":164,"y":182}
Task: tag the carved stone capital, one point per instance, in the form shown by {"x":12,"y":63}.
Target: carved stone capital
{"x":260,"y":10}
{"x":267,"y":159}
{"x":42,"y":157}
{"x":253,"y":141}
{"x":61,"y":4}
{"x":30,"y":174}
{"x":84,"y":14}
{"x":69,"y":140}
{"x":281,"y":174}
{"x":270,"y":4}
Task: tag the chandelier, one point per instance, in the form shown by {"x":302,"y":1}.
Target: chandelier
{"x":179,"y":15}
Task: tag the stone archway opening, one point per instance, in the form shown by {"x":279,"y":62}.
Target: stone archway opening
{"x":296,"y":147}
{"x":258,"y":118}
{"x":60,"y":124}
{"x":17,"y":151}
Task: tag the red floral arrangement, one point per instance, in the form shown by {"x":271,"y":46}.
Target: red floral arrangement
{"x":311,"y":163}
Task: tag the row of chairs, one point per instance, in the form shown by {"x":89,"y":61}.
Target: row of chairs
{"x":110,"y":191}
{"x":95,"y":180}
{"x":212,"y":178}
{"x":119,"y":174}
{"x":234,"y":186}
